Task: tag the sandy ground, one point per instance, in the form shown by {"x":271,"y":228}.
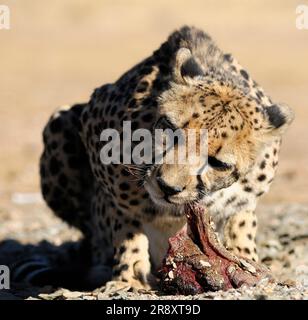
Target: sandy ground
{"x":57,"y":53}
{"x":282,"y":243}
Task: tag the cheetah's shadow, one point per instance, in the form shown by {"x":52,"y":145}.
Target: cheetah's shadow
{"x":71,"y":269}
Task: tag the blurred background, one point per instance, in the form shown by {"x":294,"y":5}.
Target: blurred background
{"x":56,"y":52}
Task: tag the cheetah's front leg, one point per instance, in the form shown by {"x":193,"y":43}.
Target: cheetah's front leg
{"x":131,"y":256}
{"x":240,"y":234}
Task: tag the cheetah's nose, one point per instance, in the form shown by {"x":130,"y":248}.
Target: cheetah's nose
{"x":166,"y":189}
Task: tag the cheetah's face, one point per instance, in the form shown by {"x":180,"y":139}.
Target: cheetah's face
{"x":236,"y":126}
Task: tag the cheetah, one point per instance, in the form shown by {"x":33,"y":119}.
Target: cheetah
{"x":127,"y":214}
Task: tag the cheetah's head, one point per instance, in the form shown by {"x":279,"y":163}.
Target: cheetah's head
{"x":237,"y":128}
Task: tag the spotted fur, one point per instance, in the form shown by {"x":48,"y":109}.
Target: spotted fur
{"x":128,"y":213}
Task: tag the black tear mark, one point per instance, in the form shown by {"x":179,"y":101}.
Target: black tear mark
{"x":200,"y":187}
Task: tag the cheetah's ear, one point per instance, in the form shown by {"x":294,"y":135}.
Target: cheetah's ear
{"x":278,"y":117}
{"x":186,"y":66}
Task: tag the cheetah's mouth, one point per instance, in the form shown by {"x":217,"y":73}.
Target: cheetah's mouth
{"x":176,"y":203}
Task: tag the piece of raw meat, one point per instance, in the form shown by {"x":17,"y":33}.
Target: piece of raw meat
{"x":197,"y":262}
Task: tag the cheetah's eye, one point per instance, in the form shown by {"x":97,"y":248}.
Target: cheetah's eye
{"x":217,"y":164}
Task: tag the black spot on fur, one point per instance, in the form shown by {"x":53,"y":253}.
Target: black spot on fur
{"x":248,"y":189}
{"x":218,"y":150}
{"x":124,"y":196}
{"x":122,"y":249}
{"x":135,"y":114}
{"x":130,"y":236}
{"x":230,"y":200}
{"x":134,"y":202}
{"x":235,"y":174}
{"x":125,"y":173}
{"x":244,"y":74}
{"x":136,"y":223}
{"x":261,"y":177}
{"x":275,"y":116}
{"x":119,"y":213}
{"x":134,"y":125}
{"x":185,"y":125}
{"x":228,"y":57}
{"x":142,"y":87}
{"x":242,"y":223}
{"x":241,"y":203}
{"x":146,"y":70}
{"x":132,"y":103}
{"x":120,"y":114}
{"x":110,"y":170}
{"x":263,"y":165}
{"x":117,"y":226}
{"x":123,"y":267}
{"x":147,"y":117}
{"x":124,"y":186}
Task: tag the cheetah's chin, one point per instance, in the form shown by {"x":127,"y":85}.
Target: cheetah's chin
{"x":171,"y":206}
